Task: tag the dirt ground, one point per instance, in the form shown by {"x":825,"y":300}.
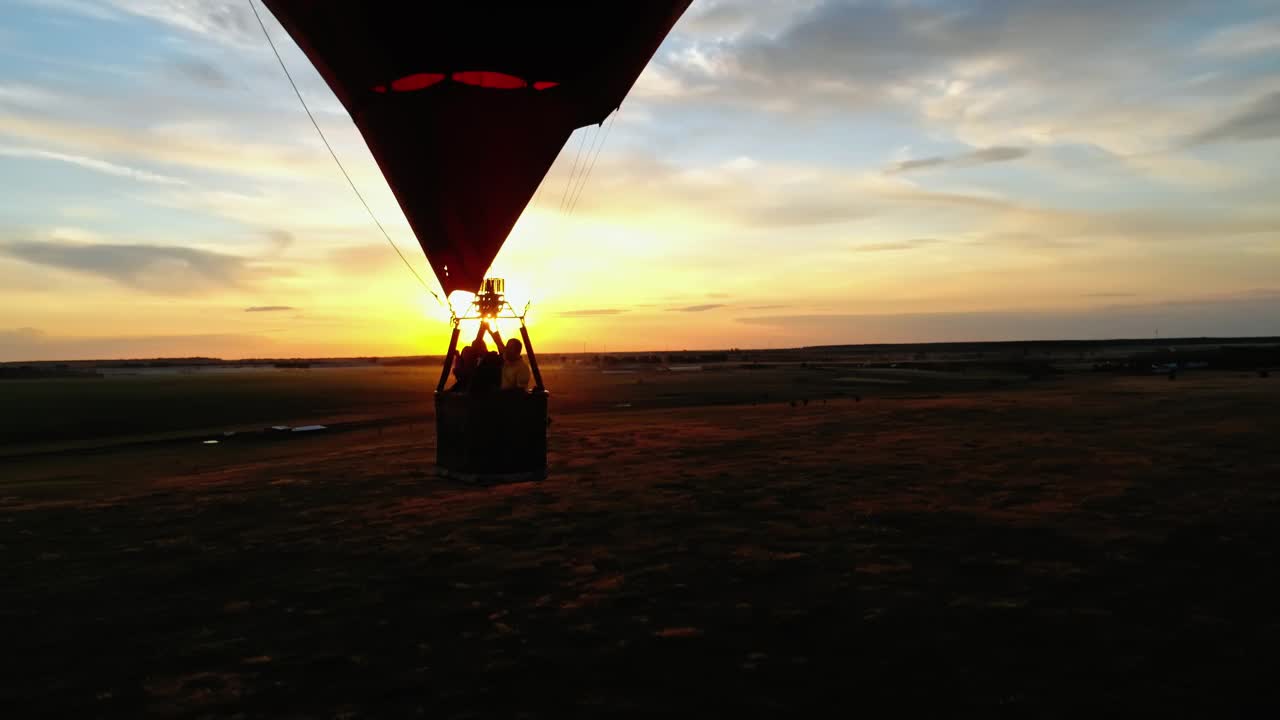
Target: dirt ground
{"x":1087,"y":546}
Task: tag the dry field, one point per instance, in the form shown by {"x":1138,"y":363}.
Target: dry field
{"x":1073,"y":547}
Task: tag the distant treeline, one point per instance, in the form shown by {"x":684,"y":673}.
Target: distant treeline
{"x":35,"y":372}
{"x":159,"y":363}
{"x":410,"y":361}
{"x":1040,"y":346}
{"x":642,"y":358}
{"x":1231,"y":357}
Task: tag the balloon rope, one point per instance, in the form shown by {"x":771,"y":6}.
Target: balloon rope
{"x":334,"y":155}
{"x":577,"y":185}
{"x":593,"y":163}
{"x":582,"y":139}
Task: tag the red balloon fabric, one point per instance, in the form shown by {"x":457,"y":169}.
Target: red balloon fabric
{"x":465,"y":105}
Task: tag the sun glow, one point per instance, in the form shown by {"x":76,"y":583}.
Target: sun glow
{"x":460,"y":302}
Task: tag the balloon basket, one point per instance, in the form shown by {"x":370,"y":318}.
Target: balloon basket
{"x":498,"y":437}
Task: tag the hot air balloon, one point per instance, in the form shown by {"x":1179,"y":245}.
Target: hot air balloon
{"x":465,"y":106}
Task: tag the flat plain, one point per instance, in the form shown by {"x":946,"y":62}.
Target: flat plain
{"x":741,"y":540}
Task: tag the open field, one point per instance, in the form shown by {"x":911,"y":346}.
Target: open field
{"x":707,"y":542}
{"x":71,"y":413}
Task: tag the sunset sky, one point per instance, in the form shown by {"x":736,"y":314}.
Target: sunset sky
{"x":783,"y":173}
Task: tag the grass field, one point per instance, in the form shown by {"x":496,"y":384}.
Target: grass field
{"x":706,"y":543}
{"x":68,"y":413}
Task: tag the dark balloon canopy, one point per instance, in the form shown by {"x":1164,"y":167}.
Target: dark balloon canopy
{"x":465,"y":105}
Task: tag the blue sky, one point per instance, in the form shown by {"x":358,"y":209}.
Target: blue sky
{"x":784,"y":172}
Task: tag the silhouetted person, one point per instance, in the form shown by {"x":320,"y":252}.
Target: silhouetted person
{"x":515,"y":369}
{"x":464,"y":370}
{"x":488,"y":374}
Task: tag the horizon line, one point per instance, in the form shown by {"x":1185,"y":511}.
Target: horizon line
{"x":1191,"y":339}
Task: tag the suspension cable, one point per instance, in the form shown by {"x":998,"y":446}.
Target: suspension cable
{"x":582,"y":139}
{"x":334,"y":155}
{"x":593,"y":163}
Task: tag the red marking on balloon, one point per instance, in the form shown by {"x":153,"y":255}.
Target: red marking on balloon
{"x":544,"y":85}
{"x":486,"y":79}
{"x":416,"y":81}
{"x":379,"y":88}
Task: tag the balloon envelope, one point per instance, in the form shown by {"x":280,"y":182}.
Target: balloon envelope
{"x":465,"y":105}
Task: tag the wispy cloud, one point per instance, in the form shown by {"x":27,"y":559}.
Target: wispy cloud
{"x":89,"y":163}
{"x":698,"y":308}
{"x":984,"y":156}
{"x":363,"y":259}
{"x":280,"y":240}
{"x":22,"y":335}
{"x":202,"y":72}
{"x":1209,"y":317}
{"x":162,"y":269}
{"x":192,"y":146}
{"x":31,"y":344}
{"x":985,"y":73}
{"x":591,"y":312}
{"x":1246,"y":39}
{"x":723,"y":18}
{"x":27,"y":96}
{"x":799,"y":212}
{"x":86,"y":8}
{"x":911,"y":244}
{"x":225,"y":21}
{"x":269,"y":308}
{"x":841,"y":54}
{"x":1259,"y":120}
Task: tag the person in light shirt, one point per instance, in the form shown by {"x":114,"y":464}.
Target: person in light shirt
{"x":515,"y":369}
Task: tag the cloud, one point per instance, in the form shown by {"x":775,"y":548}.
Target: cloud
{"x":591,"y":312}
{"x":158,"y":269}
{"x":857,"y":53}
{"x":89,"y":163}
{"x":202,"y":72}
{"x":1259,"y":120}
{"x":727,"y":19}
{"x":27,"y":96}
{"x":911,"y":244}
{"x":280,"y":240}
{"x":741,"y":162}
{"x":21,"y":335}
{"x":363,"y":259}
{"x":1108,"y":295}
{"x":984,"y":156}
{"x":802,"y":197}
{"x":718,"y":19}
{"x":799,"y":212}
{"x":1239,"y":40}
{"x":770,"y":196}
{"x":226,"y":21}
{"x":983,"y":72}
{"x":766,"y":307}
{"x":193,"y":146}
{"x":87,"y":8}
{"x":1190,"y":318}
{"x":30,"y":345}
{"x":269,"y":308}
{"x":697,"y":308}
